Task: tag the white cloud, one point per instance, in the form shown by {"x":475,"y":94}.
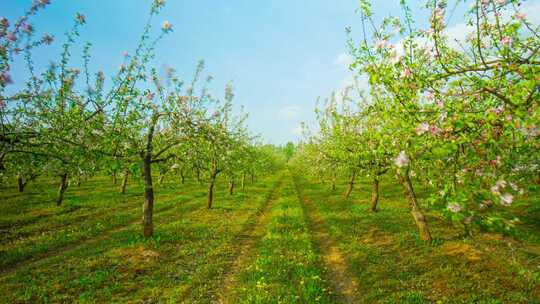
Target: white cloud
{"x":343,"y":60}
{"x":289,"y":112}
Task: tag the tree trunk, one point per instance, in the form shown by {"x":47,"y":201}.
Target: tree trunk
{"x":231,"y":187}
{"x":252,"y":178}
{"x":124,"y":181}
{"x":199,"y":176}
{"x":243,"y":181}
{"x":182,"y":176}
{"x":416,"y":212}
{"x":148,"y":208}
{"x":114,"y":177}
{"x":20,"y":183}
{"x":161,"y":178}
{"x":375,"y":195}
{"x":333,"y":185}
{"x":62,"y":189}
{"x":211,"y":193}
{"x":351,"y":185}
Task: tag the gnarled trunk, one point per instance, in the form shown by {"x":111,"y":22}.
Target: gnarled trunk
{"x":148,"y":208}
{"x":416,"y":212}
{"x":375,"y":195}
{"x":62,"y":189}
{"x":124,"y":181}
{"x":351,"y":185}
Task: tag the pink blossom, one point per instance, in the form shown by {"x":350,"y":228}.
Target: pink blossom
{"x":514,"y":186}
{"x":499,"y":185}
{"x":520,"y":16}
{"x":402,"y":160}
{"x":406,"y":73}
{"x":434,"y":130}
{"x":166,"y":26}
{"x":422,"y":128}
{"x":27,"y":28}
{"x":380,"y":44}
{"x":395,"y":57}
{"x":149,"y":95}
{"x":11,"y":37}
{"x":454,"y":207}
{"x":507,"y":199}
{"x":443,"y":116}
{"x":430,"y":96}
{"x":507,"y":41}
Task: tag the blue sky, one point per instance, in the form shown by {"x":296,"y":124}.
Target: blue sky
{"x":280,"y":54}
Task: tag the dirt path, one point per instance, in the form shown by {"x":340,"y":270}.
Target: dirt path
{"x":340,"y":277}
{"x":75,"y":244}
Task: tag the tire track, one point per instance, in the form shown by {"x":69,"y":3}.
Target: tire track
{"x":246,"y":243}
{"x":339,"y":276}
{"x":243,"y":241}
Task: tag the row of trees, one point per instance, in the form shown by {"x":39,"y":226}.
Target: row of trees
{"x":460,"y":116}
{"x":69,"y":123}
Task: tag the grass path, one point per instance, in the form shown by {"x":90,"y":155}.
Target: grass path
{"x":245,"y":243}
{"x":283,"y":265}
{"x":340,"y":277}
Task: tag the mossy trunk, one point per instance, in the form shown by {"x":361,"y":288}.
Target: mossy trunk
{"x":124,"y":181}
{"x":62,"y":189}
{"x":351,"y":185}
{"x":243,"y":182}
{"x":416,"y":212}
{"x":148,"y":208}
{"x":374,"y":195}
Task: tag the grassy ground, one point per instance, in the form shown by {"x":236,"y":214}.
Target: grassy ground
{"x":286,"y":239}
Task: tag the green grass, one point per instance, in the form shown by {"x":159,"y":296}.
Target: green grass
{"x":286,"y":268}
{"x":257,"y":246}
{"x":393,"y":266}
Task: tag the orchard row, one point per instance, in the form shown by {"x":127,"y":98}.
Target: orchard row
{"x":69,"y":123}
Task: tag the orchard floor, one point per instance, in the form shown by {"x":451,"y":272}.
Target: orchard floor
{"x":285,"y":239}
